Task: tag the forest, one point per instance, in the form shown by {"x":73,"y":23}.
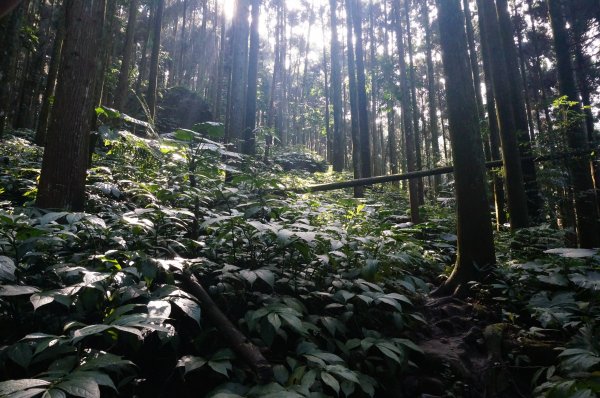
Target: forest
{"x":299,"y":198}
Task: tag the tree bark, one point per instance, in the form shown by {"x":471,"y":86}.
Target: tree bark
{"x":475,"y":253}
{"x":154,"y":59}
{"x":249,"y":140}
{"x":586,"y":211}
{"x":431,"y":97}
{"x":490,"y":33}
{"x":128,"y":53}
{"x":413,"y":104}
{"x":515,"y":87}
{"x":407,"y":121}
{"x":62,"y":181}
{"x":44,"y":117}
{"x":339,"y":144}
{"x":354,"y":114}
{"x":361,"y":91}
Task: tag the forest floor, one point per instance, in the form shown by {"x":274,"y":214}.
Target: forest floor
{"x":333,"y":291}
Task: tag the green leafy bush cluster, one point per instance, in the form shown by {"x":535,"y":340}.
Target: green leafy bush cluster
{"x":92,"y":303}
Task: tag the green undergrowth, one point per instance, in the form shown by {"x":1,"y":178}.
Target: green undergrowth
{"x":91,"y":304}
{"x":327,"y":286}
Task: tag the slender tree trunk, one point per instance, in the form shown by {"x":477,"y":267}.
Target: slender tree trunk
{"x":413,"y":96}
{"x":8,"y":63}
{"x":62,"y":181}
{"x":494,"y":143}
{"x":249,"y":142}
{"x":586,"y":210}
{"x":128,"y":54}
{"x":490,"y":33}
{"x":515,"y":86}
{"x":354,"y":114}
{"x":407,"y":121}
{"x":474,"y":230}
{"x":153,"y":77}
{"x":433,"y":119}
{"x":376,"y":147}
{"x":361,"y":91}
{"x":336,"y":92}
{"x":391,"y":114}
{"x":44,"y":117}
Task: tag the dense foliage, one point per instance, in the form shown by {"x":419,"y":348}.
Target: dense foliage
{"x":330,"y":288}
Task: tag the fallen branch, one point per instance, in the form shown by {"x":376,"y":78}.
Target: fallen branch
{"x":422,"y":173}
{"x":235,"y":339}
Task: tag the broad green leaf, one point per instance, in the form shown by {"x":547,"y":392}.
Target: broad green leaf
{"x":11,"y":386}
{"x":591,"y":280}
{"x":266,"y":275}
{"x":274,"y":320}
{"x":40,"y":299}
{"x":54,"y":393}
{"x":390,"y":301}
{"x":21,"y":354}
{"x":184,"y":135}
{"x":389,"y":353}
{"x":189,"y":307}
{"x":331,"y":381}
{"x":32,"y":392}
{"x":191,"y":363}
{"x":89,"y":331}
{"x":159,"y":308}
{"x":221,"y":367}
{"x":17,"y":290}
{"x":103,"y":360}
{"x":343,"y":372}
{"x":80,"y":387}
{"x":249,"y":276}
{"x":7,"y":269}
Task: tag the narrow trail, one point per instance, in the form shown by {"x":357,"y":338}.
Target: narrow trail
{"x":463,"y":353}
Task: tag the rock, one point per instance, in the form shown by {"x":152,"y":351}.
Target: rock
{"x":180,"y":107}
{"x":300,"y":161}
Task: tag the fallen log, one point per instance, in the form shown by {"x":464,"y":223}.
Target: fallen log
{"x":235,"y":339}
{"x":421,"y":173}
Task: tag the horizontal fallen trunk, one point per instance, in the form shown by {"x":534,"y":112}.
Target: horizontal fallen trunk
{"x":419,"y":174}
{"x":235,"y":339}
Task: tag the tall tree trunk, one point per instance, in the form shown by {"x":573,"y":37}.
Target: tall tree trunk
{"x":62,"y":181}
{"x":8,"y":63}
{"x":474,"y":230}
{"x":537,"y":69}
{"x":413,"y":97}
{"x":361,"y":91}
{"x":494,"y":142}
{"x":586,"y":211}
{"x":515,"y":86}
{"x":431,"y":97}
{"x":490,"y":33}
{"x":391,"y":114}
{"x":407,"y":121}
{"x":376,"y":145}
{"x":339,"y":144}
{"x":128,"y":54}
{"x":238,"y":81}
{"x":44,"y":117}
{"x":249,"y":141}
{"x":153,"y":76}
{"x":354,"y":114}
